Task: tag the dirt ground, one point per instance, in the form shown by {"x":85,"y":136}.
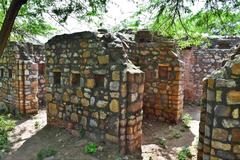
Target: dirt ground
{"x":32,"y":134}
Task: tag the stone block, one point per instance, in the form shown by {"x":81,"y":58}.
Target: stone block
{"x":48,"y":97}
{"x":124,"y":90}
{"x":90,"y":83}
{"x":235,"y":113}
{"x":233,"y":97}
{"x":222,"y":110}
{"x":236,"y":135}
{"x":86,"y":54}
{"x":211,"y":83}
{"x":229,"y":123}
{"x":102,"y":104}
{"x":74,"y":117}
{"x":221,"y":146}
{"x":134,"y":107}
{"x":116,"y":75}
{"x":65,"y":97}
{"x":211,"y":95}
{"x":102,"y":115}
{"x":236,"y":149}
{"x":236,"y":69}
{"x":111,"y":138}
{"x":114,"y":106}
{"x":103,"y":59}
{"x":220,"y":134}
{"x":114,"y":85}
{"x":52,"y":109}
{"x":218,"y":96}
{"x":85,"y":102}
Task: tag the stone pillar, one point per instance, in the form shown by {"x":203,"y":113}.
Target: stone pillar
{"x":220,"y":116}
{"x":134,"y":114}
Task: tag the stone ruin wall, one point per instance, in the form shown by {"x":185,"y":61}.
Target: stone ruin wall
{"x":91,"y":86}
{"x":220,"y":120}
{"x":19,"y":79}
{"x":200,"y":61}
{"x":158,"y":58}
{"x":39,"y":58}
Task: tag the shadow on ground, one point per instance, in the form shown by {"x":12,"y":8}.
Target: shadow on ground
{"x":27,"y":140}
{"x":176,"y":136}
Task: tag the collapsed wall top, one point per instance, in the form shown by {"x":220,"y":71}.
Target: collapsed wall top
{"x":231,"y":68}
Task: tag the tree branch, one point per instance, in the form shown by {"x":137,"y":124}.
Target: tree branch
{"x":8,"y":22}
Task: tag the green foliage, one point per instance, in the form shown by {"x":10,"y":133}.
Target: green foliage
{"x":90,"y":148}
{"x":162,"y":142}
{"x":184,"y":154}
{"x":186,"y":119}
{"x":36,"y":125}
{"x":29,"y":22}
{"x":179,"y":19}
{"x":177,"y":135}
{"x":82,"y":133}
{"x":31,"y":19}
{"x":6,"y":125}
{"x":46,"y":152}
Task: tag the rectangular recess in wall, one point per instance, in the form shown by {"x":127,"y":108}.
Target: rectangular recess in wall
{"x":75,"y":79}
{"x":41,"y":68}
{"x":99,"y":80}
{"x":1,"y":73}
{"x":163,"y":72}
{"x":57,"y":77}
{"x":9,"y":73}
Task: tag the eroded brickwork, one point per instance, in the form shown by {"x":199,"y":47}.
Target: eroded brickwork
{"x":220,"y":120}
{"x":201,"y":61}
{"x":91,"y":85}
{"x":158,"y":58}
{"x":19,"y":79}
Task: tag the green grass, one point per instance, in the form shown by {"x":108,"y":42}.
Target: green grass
{"x":90,"y":148}
{"x":46,"y":152}
{"x":6,"y":125}
{"x":184,"y":154}
{"x":186,"y":119}
{"x":162,"y":142}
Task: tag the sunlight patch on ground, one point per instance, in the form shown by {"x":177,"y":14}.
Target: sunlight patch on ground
{"x":155,"y":152}
{"x":25,"y":130}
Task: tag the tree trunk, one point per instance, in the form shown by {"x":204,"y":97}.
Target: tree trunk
{"x":8,"y":22}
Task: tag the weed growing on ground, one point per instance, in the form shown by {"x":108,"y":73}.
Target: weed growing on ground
{"x":177,"y":135}
{"x":186,"y":119}
{"x":36,"y":125}
{"x":118,"y":158}
{"x":82,"y":133}
{"x":184,"y":154}
{"x":162,"y":142}
{"x":6,"y":125}
{"x":46,"y":152}
{"x":90,"y":148}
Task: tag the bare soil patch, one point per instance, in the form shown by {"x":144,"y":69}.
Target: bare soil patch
{"x":32,"y":134}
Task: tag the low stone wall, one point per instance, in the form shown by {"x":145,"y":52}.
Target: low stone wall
{"x":220,"y":122}
{"x":91,"y":86}
{"x":200,"y":62}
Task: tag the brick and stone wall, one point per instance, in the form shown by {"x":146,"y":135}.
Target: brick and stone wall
{"x":18,"y":79}
{"x":40,"y":60}
{"x":201,"y":61}
{"x":158,"y":58}
{"x":92,"y":86}
{"x":220,"y":120}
